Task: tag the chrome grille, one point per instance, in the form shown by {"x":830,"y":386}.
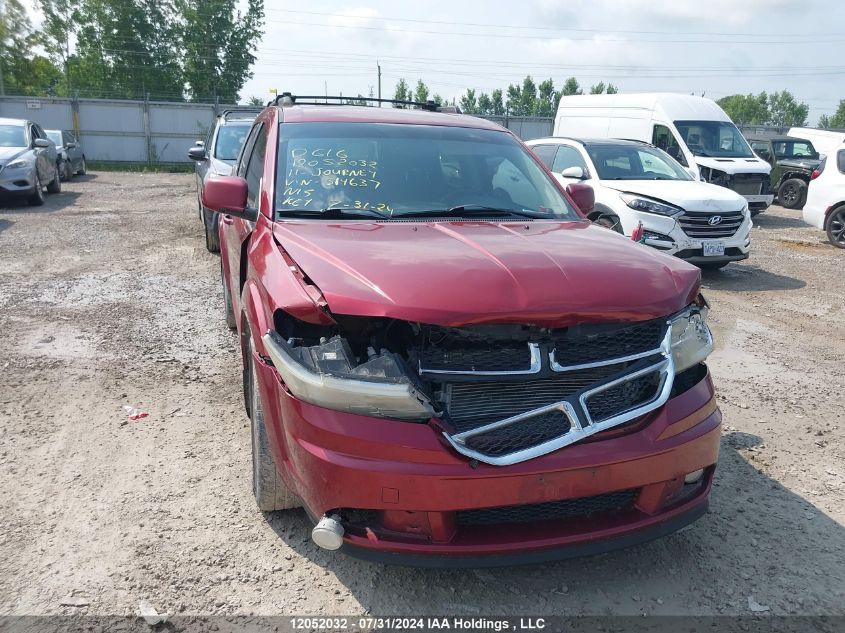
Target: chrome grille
{"x":583,"y":346}
{"x":697,"y":224}
{"x":623,"y":397}
{"x":474,"y":404}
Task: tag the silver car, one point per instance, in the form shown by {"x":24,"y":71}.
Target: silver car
{"x":71,"y":156}
{"x":28,"y":161}
{"x":215,"y":157}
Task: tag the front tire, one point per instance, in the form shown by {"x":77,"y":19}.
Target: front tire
{"x":212,"y":237}
{"x":36,"y":198}
{"x":270,"y":491}
{"x":792,"y":193}
{"x":83,"y":168}
{"x":64,"y":170}
{"x":836,"y":227}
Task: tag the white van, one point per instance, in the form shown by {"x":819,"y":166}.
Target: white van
{"x":825,"y":141}
{"x":693,"y":130}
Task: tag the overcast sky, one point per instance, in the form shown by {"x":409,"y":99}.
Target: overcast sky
{"x":717,"y":47}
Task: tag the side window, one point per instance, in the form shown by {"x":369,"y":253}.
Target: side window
{"x":568,"y":157}
{"x":545,"y":153}
{"x":255,"y":167}
{"x":840,"y":159}
{"x":665,"y":140}
{"x":250,"y":141}
{"x":33,"y":132}
{"x":762,"y":149}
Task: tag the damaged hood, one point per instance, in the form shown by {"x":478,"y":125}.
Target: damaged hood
{"x":459,"y":273}
{"x":691,"y":195}
{"x":735,"y":165}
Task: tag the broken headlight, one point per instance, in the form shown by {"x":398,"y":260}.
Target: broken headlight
{"x":692,"y":341}
{"x":328,"y":375}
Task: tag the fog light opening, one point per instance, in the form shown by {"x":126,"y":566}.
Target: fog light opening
{"x":328,"y":533}
{"x":694,"y":476}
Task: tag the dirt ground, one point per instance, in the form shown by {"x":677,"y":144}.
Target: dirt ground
{"x":108,"y":297}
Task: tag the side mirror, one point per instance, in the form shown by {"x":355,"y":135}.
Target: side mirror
{"x":72,"y":144}
{"x":227,"y":195}
{"x":197,"y":153}
{"x":200,"y":143}
{"x":41,"y":142}
{"x":582,"y":195}
{"x":573,"y":172}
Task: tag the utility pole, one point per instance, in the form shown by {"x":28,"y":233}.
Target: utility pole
{"x":3,"y":17}
{"x":326,"y":86}
{"x":378,"y":65}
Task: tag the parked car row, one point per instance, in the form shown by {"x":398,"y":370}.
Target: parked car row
{"x":444,"y":361}
{"x":32,"y":158}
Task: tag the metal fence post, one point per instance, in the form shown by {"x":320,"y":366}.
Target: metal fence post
{"x":74,"y":114}
{"x":147,"y":136}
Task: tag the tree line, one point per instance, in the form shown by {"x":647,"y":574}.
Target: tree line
{"x":522,"y":99}
{"x":168,"y":49}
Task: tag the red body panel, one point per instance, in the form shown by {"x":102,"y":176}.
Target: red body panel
{"x":451,"y":273}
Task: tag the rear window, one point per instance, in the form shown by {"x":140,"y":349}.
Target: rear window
{"x":230,"y":139}
{"x":395,"y":169}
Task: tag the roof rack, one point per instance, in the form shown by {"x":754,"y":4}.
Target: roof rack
{"x":288,"y":99}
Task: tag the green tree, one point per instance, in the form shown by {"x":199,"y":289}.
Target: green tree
{"x":571,"y":87}
{"x":497,"y":103}
{"x":402,"y":92}
{"x":547,"y":99}
{"x":838,"y":118}
{"x":469,"y":102}
{"x":746,"y":109}
{"x":485,"y":104}
{"x":601,"y":88}
{"x":824,"y":122}
{"x":421,"y":92}
{"x":21,"y":72}
{"x":515,"y":100}
{"x":219,"y":42}
{"x":255,"y":101}
{"x":611,"y":89}
{"x":785,"y":111}
{"x":438,"y":99}
{"x":528,"y":96}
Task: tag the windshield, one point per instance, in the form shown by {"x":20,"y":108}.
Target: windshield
{"x":410,"y":169}
{"x":794,"y":149}
{"x":55,"y":136}
{"x":714,"y":138}
{"x":230,"y":139}
{"x":12,"y":136}
{"x":629,"y":162}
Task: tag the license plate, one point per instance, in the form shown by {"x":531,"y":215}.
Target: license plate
{"x":713,"y":248}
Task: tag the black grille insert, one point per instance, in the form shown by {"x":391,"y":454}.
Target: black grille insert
{"x":624,"y":396}
{"x":613,"y":502}
{"x":698,"y":224}
{"x":504,"y":356}
{"x":521,"y":435}
{"x":579,"y":348}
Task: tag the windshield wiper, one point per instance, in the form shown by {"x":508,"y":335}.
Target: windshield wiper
{"x":465,"y":210}
{"x":334,"y":212}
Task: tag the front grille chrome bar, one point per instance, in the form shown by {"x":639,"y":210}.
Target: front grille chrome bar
{"x":579,"y":428}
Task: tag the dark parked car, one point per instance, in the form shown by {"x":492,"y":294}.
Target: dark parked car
{"x":28,"y":161}
{"x":445,"y":366}
{"x":71,"y":158}
{"x":793,"y":161}
{"x":215,"y":157}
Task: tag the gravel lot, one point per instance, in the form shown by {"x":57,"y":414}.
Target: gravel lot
{"x":108,"y":297}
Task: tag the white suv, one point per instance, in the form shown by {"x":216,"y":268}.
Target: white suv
{"x":635,"y":182}
{"x":825,"y":206}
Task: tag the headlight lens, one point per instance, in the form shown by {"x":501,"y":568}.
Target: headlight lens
{"x":692,"y":341}
{"x":16,"y":164}
{"x":648,"y":205}
{"x":376,"y":388}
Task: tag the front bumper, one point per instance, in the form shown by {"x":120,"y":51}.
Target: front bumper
{"x":666,"y":235}
{"x":402,"y":491}
{"x":17,"y":181}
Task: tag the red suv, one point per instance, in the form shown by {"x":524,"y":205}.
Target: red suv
{"x":444,"y":362}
